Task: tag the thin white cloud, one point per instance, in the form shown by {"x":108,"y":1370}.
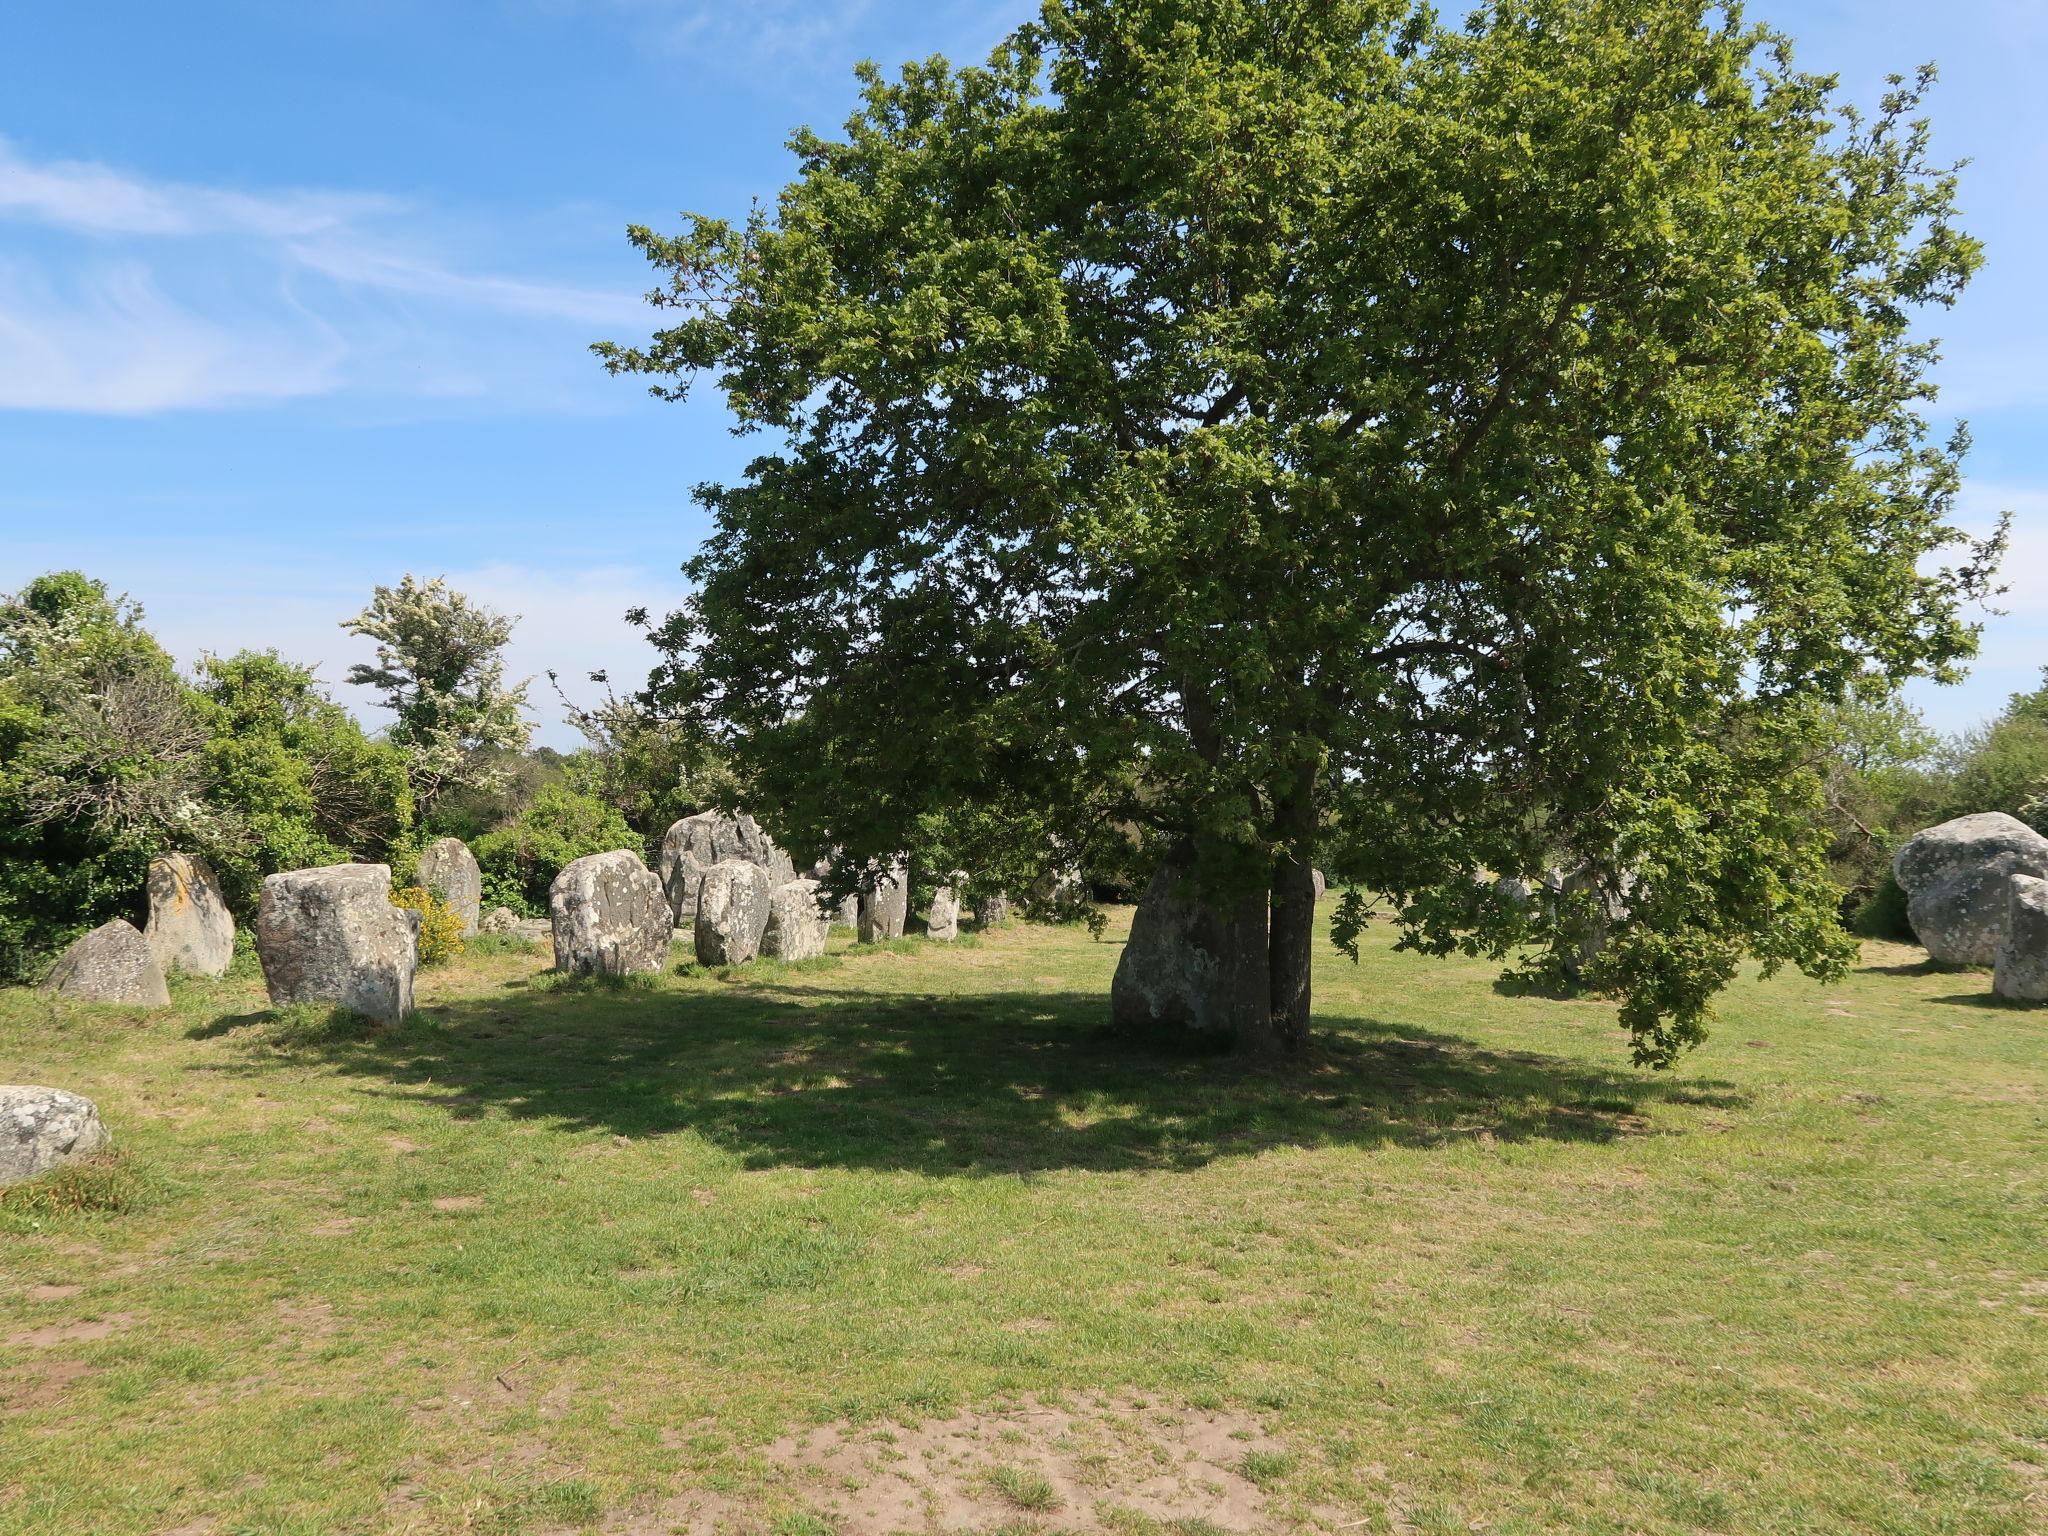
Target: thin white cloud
{"x":126,"y":295}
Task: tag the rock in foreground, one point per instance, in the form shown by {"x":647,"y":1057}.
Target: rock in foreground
{"x":2022,"y":974}
{"x":331,"y":935}
{"x":42,"y":1127}
{"x":609,"y":916}
{"x":190,"y":928}
{"x":732,"y":912}
{"x":796,"y":927}
{"x":112,"y":964}
{"x":450,"y":871}
{"x":1958,"y":883}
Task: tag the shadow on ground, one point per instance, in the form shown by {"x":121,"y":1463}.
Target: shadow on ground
{"x":786,"y":1073}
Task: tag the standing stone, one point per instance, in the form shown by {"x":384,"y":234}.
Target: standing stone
{"x":450,"y":871}
{"x":884,"y":910}
{"x":112,"y":964}
{"x":609,"y":916}
{"x":797,"y":926}
{"x":732,"y":912}
{"x":1321,"y":884}
{"x":1958,"y":883}
{"x":190,"y":928}
{"x":42,"y":1127}
{"x":1585,"y":937}
{"x":943,"y":921}
{"x":692,"y":845}
{"x":992,"y":910}
{"x":2022,"y":974}
{"x":1187,"y":967}
{"x":331,"y":935}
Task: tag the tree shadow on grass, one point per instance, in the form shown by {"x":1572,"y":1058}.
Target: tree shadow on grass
{"x":782,"y":1073}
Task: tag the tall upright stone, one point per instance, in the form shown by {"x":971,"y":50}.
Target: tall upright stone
{"x":1191,"y":969}
{"x":1958,"y":882}
{"x":112,"y":964}
{"x":609,"y":916}
{"x":942,"y":922}
{"x":732,"y":912}
{"x":691,"y":846}
{"x":450,"y":871}
{"x":991,"y":910}
{"x":886,"y":907}
{"x":797,"y":925}
{"x":331,"y":935}
{"x":2022,"y":973}
{"x":190,"y":928}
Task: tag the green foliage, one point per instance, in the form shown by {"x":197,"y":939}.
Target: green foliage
{"x":1445,"y":447}
{"x":440,"y":924}
{"x":441,"y":668}
{"x":520,"y":860}
{"x":653,"y":769}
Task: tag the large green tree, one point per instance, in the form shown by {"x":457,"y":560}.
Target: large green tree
{"x":1315,"y":424}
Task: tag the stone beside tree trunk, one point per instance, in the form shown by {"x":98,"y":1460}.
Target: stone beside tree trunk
{"x":1191,"y":969}
{"x":112,"y":964}
{"x":732,"y":912}
{"x":1958,"y":883}
{"x":331,"y":935}
{"x":450,"y":871}
{"x":608,"y":916}
{"x":2022,"y":973}
{"x":797,"y":927}
{"x":885,"y":909}
{"x":190,"y":928}
{"x":41,"y":1128}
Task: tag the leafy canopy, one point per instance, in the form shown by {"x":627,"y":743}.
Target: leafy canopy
{"x":1314,"y":426}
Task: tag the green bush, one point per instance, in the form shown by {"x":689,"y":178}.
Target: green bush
{"x":1882,"y":915}
{"x":440,"y":924}
{"x":524,"y":856}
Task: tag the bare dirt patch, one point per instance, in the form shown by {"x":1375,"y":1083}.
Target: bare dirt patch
{"x":53,"y":1334}
{"x":42,"y":1384}
{"x":459,"y":1203}
{"x":1075,"y":1467}
{"x":53,"y":1292}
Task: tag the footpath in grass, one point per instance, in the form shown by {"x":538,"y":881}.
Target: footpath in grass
{"x":906,"y":1240}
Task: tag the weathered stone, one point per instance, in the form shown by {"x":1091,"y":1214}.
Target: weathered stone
{"x":797,"y":926}
{"x":535,"y":930}
{"x":190,"y":928}
{"x":499,"y":920}
{"x":991,"y":910}
{"x":884,"y":910}
{"x":1958,"y":883}
{"x":1586,"y":933}
{"x":112,"y":964}
{"x":692,"y":845}
{"x":42,"y":1127}
{"x":732,"y":912}
{"x":1321,"y":884}
{"x":450,"y":871}
{"x":608,"y":916}
{"x":331,"y":935}
{"x":1186,"y":966}
{"x":2022,"y":974}
{"x":942,"y":922}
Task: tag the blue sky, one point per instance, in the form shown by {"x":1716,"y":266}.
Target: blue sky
{"x":295,"y":298}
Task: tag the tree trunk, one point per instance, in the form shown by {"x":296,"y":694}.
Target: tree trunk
{"x":1292,"y":941}
{"x":1245,"y":981}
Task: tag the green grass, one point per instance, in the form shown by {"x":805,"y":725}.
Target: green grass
{"x":555,"y":1255}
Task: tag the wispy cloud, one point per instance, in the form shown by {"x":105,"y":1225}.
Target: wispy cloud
{"x":123,"y":294}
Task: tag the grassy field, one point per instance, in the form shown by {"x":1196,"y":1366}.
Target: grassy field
{"x":903,"y":1240}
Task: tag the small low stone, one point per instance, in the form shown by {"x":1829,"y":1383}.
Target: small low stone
{"x":112,"y":964}
{"x":43,"y":1127}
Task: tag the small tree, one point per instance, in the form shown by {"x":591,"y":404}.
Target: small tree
{"x":1456,"y":447}
{"x":441,"y":670}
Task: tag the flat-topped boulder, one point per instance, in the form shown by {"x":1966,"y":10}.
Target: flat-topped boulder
{"x":43,"y":1127}
{"x":609,"y":916}
{"x":112,"y":964}
{"x":331,"y":935}
{"x":886,"y":907}
{"x":797,"y":925}
{"x":732,"y":912}
{"x":450,"y":871}
{"x":190,"y":928}
{"x":693,"y":845}
{"x":1958,"y":883}
{"x":2022,"y":973}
